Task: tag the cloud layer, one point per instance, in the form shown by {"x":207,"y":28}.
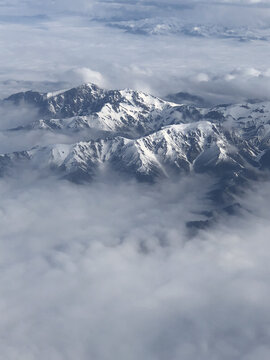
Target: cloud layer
{"x":91,"y":271}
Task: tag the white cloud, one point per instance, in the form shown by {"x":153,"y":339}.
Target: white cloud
{"x":77,"y":76}
{"x":202,"y":77}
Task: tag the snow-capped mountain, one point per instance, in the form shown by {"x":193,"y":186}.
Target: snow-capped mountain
{"x":88,"y":106}
{"x":168,"y":26}
{"x":145,"y":137}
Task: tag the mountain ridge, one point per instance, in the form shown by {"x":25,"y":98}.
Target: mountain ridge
{"x":145,"y":137}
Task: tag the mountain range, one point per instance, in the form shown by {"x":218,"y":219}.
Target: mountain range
{"x":138,"y":135}
{"x":169,"y":26}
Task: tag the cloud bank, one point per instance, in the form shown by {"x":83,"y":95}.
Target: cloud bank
{"x":91,"y":271}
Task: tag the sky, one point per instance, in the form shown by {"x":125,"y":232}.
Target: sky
{"x":107,"y":270}
{"x":57,"y":44}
